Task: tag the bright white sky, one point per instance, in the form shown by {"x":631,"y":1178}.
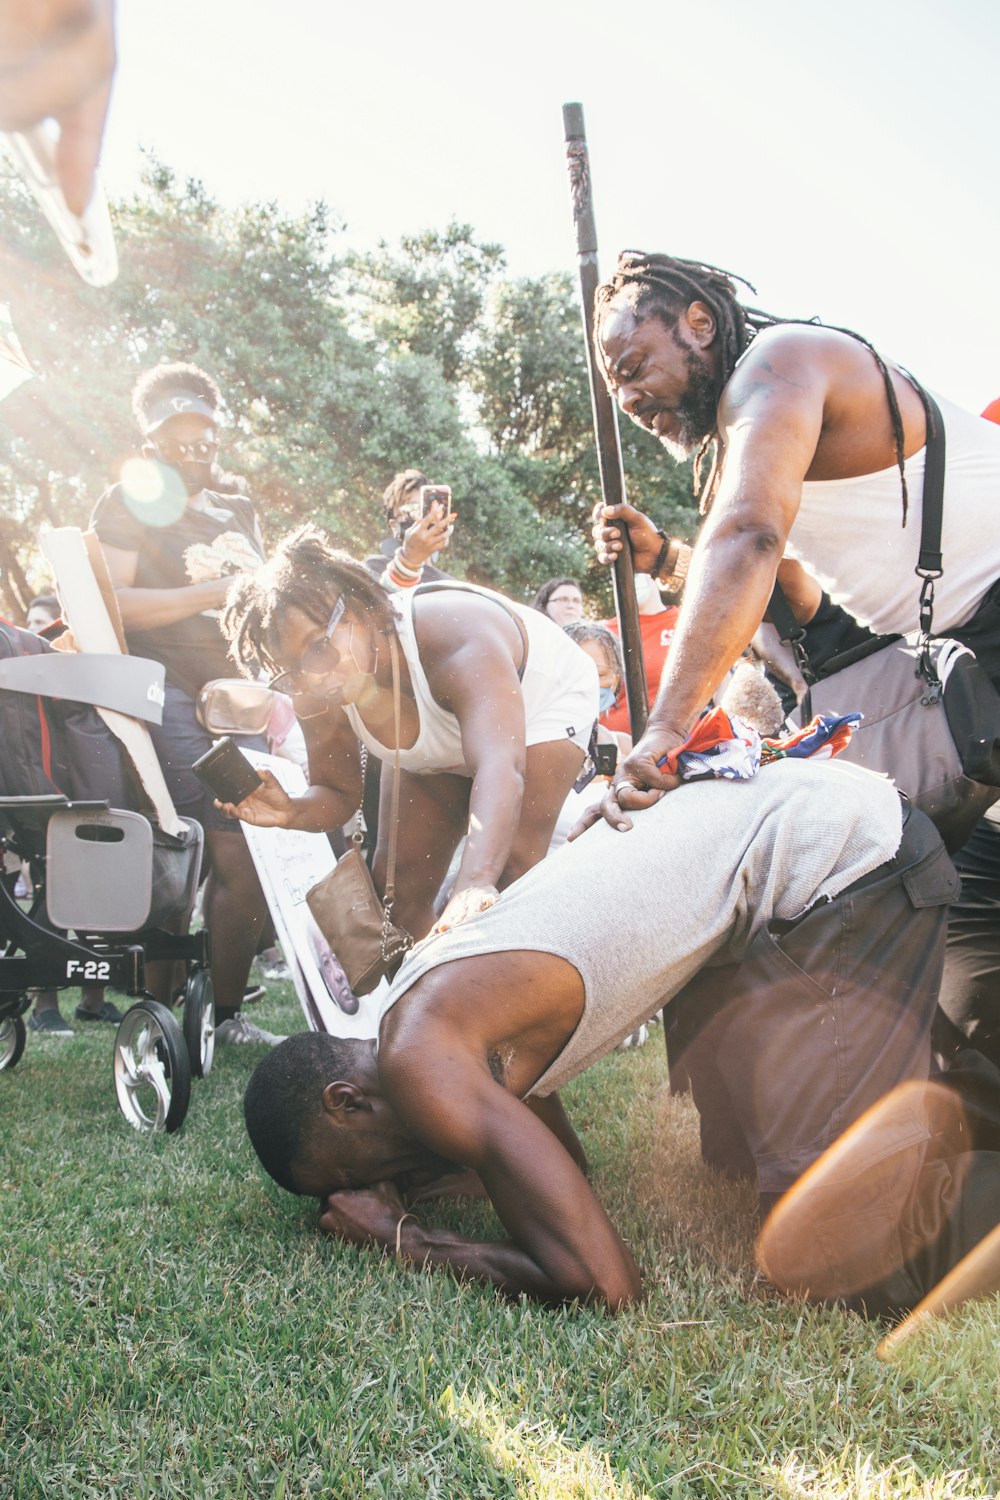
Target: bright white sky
{"x":841,"y":156}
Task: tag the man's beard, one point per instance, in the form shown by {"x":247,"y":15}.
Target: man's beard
{"x":695,"y":413}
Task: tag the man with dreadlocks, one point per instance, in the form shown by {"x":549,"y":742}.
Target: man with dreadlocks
{"x":817,"y":453}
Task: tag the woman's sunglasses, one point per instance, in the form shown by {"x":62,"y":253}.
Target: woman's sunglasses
{"x":318,"y":657}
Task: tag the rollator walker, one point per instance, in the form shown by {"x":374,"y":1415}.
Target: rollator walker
{"x":114,"y":886}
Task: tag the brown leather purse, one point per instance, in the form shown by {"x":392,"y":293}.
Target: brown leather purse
{"x":345,"y":905}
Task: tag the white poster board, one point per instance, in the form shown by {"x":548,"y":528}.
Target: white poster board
{"x":289,"y":863}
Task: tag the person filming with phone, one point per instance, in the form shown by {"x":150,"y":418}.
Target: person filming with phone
{"x":420,"y":521}
{"x":174,"y":533}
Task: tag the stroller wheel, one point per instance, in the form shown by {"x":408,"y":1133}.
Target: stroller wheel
{"x":12,"y":1034}
{"x":152,"y":1072}
{"x":199,"y":1022}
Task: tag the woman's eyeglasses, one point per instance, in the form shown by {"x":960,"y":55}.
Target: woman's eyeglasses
{"x":318,"y":657}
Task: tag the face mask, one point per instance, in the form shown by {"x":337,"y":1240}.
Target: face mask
{"x":607,"y":699}
{"x":196,"y":475}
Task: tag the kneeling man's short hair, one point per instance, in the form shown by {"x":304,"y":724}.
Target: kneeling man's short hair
{"x":284,"y":1098}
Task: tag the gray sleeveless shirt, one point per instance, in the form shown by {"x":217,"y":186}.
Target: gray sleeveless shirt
{"x":697,"y":877}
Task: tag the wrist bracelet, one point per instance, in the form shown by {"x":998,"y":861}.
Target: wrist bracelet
{"x":401,"y":566}
{"x":394,"y":580}
{"x":669,"y":553}
{"x":675,"y":582}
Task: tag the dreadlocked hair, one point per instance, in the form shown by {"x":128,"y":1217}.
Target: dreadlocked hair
{"x":304,"y":573}
{"x":664,"y":285}
{"x":400,"y":488}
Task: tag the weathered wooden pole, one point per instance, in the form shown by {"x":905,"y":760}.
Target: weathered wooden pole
{"x":609,"y":451}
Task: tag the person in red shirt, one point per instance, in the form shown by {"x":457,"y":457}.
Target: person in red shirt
{"x":656,"y":623}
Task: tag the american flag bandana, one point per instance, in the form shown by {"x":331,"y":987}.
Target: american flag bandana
{"x":724,"y":745}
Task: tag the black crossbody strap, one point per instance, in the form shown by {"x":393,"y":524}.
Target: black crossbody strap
{"x":779,"y":612}
{"x":930,"y":564}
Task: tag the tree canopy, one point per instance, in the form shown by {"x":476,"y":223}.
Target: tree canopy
{"x":338,"y":369}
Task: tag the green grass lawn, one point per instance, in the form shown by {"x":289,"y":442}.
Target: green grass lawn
{"x":172,"y":1324}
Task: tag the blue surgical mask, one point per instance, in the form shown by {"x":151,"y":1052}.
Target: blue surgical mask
{"x":607,"y":699}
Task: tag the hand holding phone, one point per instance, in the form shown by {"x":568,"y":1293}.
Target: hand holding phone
{"x":226,"y":772}
{"x":435,"y":494}
{"x":432,"y":531}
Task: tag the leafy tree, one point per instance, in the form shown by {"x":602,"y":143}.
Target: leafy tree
{"x":428,"y":297}
{"x":337,"y":371}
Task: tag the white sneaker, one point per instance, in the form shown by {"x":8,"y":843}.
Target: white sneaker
{"x":638,"y":1038}
{"x":272,"y":965}
{"x":239,"y":1029}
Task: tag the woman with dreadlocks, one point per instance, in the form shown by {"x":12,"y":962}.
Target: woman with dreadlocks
{"x":817,"y":448}
{"x":494,"y":714}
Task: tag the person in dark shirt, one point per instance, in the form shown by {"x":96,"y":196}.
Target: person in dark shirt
{"x":174,"y":535}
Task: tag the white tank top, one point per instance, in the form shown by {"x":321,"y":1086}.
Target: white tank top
{"x":554,"y":674}
{"x":849,"y":532}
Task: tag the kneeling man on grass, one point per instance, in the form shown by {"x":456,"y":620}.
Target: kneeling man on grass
{"x":822,"y":910}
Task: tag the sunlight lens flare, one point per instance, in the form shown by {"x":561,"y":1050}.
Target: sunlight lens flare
{"x":976,"y":1275}
{"x":153,"y":492}
{"x":857,"y":1215}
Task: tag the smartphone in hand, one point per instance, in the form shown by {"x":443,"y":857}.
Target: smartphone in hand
{"x":226,"y":771}
{"x":435,"y":494}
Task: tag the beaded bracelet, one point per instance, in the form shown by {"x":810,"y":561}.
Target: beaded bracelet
{"x":400,"y":566}
{"x":396,"y":581}
{"x":399,"y":574}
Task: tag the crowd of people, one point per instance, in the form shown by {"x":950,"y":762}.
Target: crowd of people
{"x":795,"y":922}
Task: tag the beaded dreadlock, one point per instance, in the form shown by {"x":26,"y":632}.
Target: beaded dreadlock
{"x":662,"y":285}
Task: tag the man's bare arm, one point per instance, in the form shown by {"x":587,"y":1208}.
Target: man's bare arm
{"x":563,"y":1246}
{"x":770,"y":419}
{"x":148,"y":609}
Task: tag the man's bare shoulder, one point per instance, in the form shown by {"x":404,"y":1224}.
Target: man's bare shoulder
{"x":799,"y":355}
{"x":827,"y":387}
{"x":521,"y":1005}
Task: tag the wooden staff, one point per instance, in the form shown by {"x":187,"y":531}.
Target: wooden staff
{"x":609,"y":450}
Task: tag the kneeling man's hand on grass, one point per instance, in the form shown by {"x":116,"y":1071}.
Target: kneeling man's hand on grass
{"x":364,"y":1216}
